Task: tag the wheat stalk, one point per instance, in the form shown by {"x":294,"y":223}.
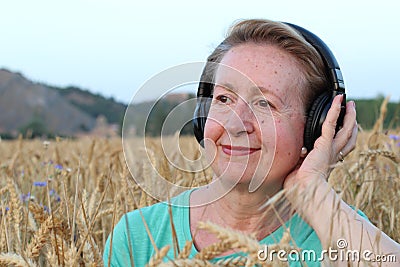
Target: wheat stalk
{"x":158,"y":256}
{"x":368,"y":179}
{"x":16,"y":210}
{"x":214,"y":250}
{"x":188,"y":262}
{"x":12,"y":259}
{"x":40,"y":238}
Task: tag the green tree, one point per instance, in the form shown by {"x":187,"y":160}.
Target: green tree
{"x":35,"y":128}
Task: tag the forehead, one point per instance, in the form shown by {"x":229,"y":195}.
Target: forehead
{"x":261,"y":66}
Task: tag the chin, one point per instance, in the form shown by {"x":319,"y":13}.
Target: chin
{"x":234,"y":172}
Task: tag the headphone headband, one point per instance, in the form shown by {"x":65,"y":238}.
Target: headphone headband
{"x":326,"y":54}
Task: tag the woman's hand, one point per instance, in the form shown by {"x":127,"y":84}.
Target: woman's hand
{"x":328,"y":148}
{"x":320,"y":206}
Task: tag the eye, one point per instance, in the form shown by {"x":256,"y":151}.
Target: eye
{"x":223,"y":99}
{"x":265,"y":104}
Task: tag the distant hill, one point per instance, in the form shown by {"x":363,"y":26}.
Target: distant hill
{"x":36,"y":109}
{"x":368,"y":111}
{"x":48,"y":110}
{"x":93,"y":104}
{"x":167,"y":115}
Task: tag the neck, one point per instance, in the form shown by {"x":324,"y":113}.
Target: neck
{"x":242,"y":210}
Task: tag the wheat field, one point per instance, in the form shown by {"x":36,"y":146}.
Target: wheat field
{"x":60,"y":199}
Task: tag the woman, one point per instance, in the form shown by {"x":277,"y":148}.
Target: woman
{"x":265,"y":77}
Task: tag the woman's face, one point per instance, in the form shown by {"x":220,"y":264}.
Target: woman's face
{"x":254,"y":129}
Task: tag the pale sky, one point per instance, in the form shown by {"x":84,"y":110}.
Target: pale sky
{"x":113,"y":47}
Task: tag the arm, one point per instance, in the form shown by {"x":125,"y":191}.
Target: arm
{"x":321,"y":207}
{"x":334,"y":220}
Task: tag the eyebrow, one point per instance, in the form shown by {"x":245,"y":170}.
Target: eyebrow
{"x":230,"y":87}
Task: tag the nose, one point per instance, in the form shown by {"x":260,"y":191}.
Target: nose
{"x":241,"y":119}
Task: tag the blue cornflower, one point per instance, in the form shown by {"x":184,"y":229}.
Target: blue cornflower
{"x":58,"y":167}
{"x":5,"y":211}
{"x":40,"y":184}
{"x":26,"y":197}
{"x":394,"y":137}
{"x":54,"y":194}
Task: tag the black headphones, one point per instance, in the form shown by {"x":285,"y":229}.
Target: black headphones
{"x":318,"y":111}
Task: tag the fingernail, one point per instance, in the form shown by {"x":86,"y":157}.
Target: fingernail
{"x":340,"y":101}
{"x":354,"y":104}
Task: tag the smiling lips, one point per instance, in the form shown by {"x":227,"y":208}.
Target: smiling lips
{"x":238,"y":150}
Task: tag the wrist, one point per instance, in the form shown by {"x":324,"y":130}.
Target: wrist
{"x":303,"y":186}
{"x":312,"y":199}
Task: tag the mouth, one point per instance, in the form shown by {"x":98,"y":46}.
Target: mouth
{"x":238,"y":150}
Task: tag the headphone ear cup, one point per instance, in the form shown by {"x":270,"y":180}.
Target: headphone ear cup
{"x":200,"y":118}
{"x":315,"y":118}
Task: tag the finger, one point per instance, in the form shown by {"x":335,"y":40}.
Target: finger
{"x":351,"y":144}
{"x":329,"y":125}
{"x":344,"y":135}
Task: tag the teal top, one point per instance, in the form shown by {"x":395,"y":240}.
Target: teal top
{"x":131,"y":241}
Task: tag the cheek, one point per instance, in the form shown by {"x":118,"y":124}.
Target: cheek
{"x":268,"y":134}
{"x":289,"y":136}
{"x":212,"y":130}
